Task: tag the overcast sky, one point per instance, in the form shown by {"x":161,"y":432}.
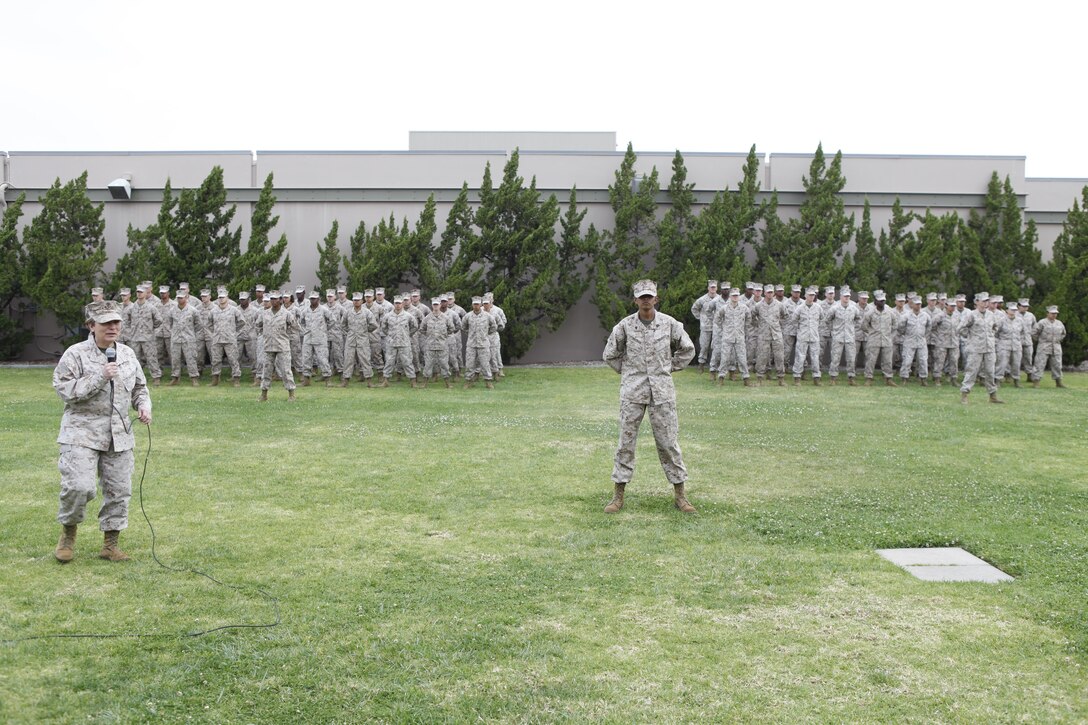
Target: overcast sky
{"x":951,"y":77}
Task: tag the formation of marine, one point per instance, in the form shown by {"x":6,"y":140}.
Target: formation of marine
{"x":760,"y":327}
{"x":281,"y":335}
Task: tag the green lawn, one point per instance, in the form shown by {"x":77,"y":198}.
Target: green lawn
{"x":441,"y":555}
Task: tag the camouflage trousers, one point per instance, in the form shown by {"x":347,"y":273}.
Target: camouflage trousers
{"x":825,"y":351}
{"x":706,"y":344}
{"x":881,"y":353}
{"x":183,"y":350}
{"x":806,"y":352}
{"x":81,"y":470}
{"x":315,"y":353}
{"x":147,"y":353}
{"x":259,"y":360}
{"x":477,"y":362}
{"x":1048,"y":355}
{"x":861,"y":348}
{"x":734,"y":356}
{"x":946,"y":361}
{"x":336,"y":352}
{"x":247,"y":350}
{"x":230,"y":351}
{"x":377,"y":359}
{"x":496,"y":353}
{"x":399,"y":358}
{"x":438,"y":362}
{"x":979,"y":364}
{"x":666,"y":430}
{"x":162,"y":349}
{"x":789,"y":342}
{"x":1027,"y":358}
{"x":203,"y":352}
{"x":716,"y":355}
{"x":453,"y":345}
{"x":768,"y":354}
{"x":917,"y":355}
{"x":296,"y":356}
{"x":847,"y":353}
{"x":278,"y":363}
{"x":417,"y":354}
{"x":358,"y":354}
{"x":1008,"y":360}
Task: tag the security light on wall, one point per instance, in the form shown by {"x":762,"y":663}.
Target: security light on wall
{"x":121,"y":188}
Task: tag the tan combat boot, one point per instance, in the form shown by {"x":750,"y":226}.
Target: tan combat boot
{"x":1034,"y":383}
{"x":173,"y":381}
{"x":196,"y":382}
{"x":851,"y":382}
{"x":110,"y":549}
{"x":385,"y":382}
{"x":369,"y":384}
{"x":815,"y":381}
{"x":215,"y":380}
{"x":490,"y":385}
{"x":423,"y":384}
{"x":305,"y":381}
{"x":1016,"y":382}
{"x":1058,"y":383}
{"x":66,"y":545}
{"x":156,"y":381}
{"x":236,"y":381}
{"x":796,"y":382}
{"x":328,"y":381}
{"x":924,"y":383}
{"x":868,"y":382}
{"x":781,"y":381}
{"x":290,"y":396}
{"x":344,"y":382}
{"x":256,"y":382}
{"x":617,"y":499}
{"x":963,"y":398}
{"x":264,"y":397}
{"x":721,"y":381}
{"x":834,"y":381}
{"x":447,"y":384}
{"x":936,"y":381}
{"x":995,"y":399}
{"x":890,"y":383}
{"x":747,"y":382}
{"x":413,"y":381}
{"x":732,"y":375}
{"x":680,"y":500}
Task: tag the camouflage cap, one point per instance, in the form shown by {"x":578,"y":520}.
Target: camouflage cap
{"x":126,"y":291}
{"x":734,"y":292}
{"x":300,"y":288}
{"x":96,"y":290}
{"x":900,"y":297}
{"x":768,"y":288}
{"x":222,"y":293}
{"x":435,"y":301}
{"x":879,"y":295}
{"x":274,"y":295}
{"x":1052,"y":308}
{"x":477,"y":300}
{"x":780,"y":288}
{"x":243,"y":295}
{"x":829,"y":288}
{"x":164,"y":289}
{"x":1024,"y":303}
{"x":103,"y":311}
{"x":795,"y":288}
{"x":982,"y":297}
{"x":712,"y":284}
{"x":314,"y":295}
{"x":356,"y":296}
{"x":379,"y":290}
{"x":863,"y":295}
{"x":368,"y":293}
{"x":260,"y":288}
{"x":205,"y":292}
{"x":341,"y":289}
{"x":330,"y":293}
{"x":644,"y":288}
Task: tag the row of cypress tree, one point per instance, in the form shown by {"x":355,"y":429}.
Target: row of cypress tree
{"x":537,"y":258}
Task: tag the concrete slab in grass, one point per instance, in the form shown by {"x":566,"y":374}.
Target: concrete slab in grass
{"x":945,"y":564}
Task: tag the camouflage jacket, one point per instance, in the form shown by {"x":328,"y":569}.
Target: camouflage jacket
{"x":645,"y":356}
{"x":315,"y":323}
{"x":358,"y":324}
{"x":808,"y":321}
{"x":769,"y":318}
{"x":140,"y":321}
{"x":165,"y":314}
{"x":842,"y":321}
{"x":1029,"y":327}
{"x":436,"y":329}
{"x":479,"y":327}
{"x":914,"y":328}
{"x":880,"y":326}
{"x":977,"y":329}
{"x":398,"y":329}
{"x":277,"y":328}
{"x":1050,"y":334}
{"x":1009,"y":331}
{"x":184,"y":324}
{"x":90,"y":419}
{"x":250,"y":315}
{"x":225,"y":324}
{"x":704,"y":309}
{"x":943,"y":330}
{"x":731,"y":322}
{"x":336,"y":320}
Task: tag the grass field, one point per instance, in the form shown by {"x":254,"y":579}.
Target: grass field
{"x":442,"y":556}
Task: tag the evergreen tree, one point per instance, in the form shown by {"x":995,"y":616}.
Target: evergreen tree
{"x":823,"y":230}
{"x":450,"y":258}
{"x":201,"y":243}
{"x":866,"y":261}
{"x":257,"y":264}
{"x":13,"y":335}
{"x":621,"y":259}
{"x":65,"y":251}
{"x":674,"y":229}
{"x":895,"y":244}
{"x":328,"y":260}
{"x":420,"y":242}
{"x":972,"y":273}
{"x":775,"y":250}
{"x":575,"y":254}
{"x":518,"y":255}
{"x":1071,"y":279}
{"x":928,"y":259}
{"x":354,"y":260}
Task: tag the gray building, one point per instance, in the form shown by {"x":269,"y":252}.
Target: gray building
{"x":315,"y":187}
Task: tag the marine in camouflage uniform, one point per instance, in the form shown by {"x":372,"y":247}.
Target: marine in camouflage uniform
{"x":770,"y":315}
{"x":358,"y":324}
{"x":143,"y":322}
{"x":204,"y":333}
{"x":479,"y":325}
{"x":315,"y":322}
{"x":454,"y":343}
{"x":247,"y":335}
{"x":645,"y":349}
{"x":842,"y":321}
{"x":1010,"y":329}
{"x":434,"y":335}
{"x":789,"y":326}
{"x":277,"y":325}
{"x":335,"y":331}
{"x":808,"y":315}
{"x":225,"y":323}
{"x":880,"y":323}
{"x":977,"y":327}
{"x":162,"y":332}
{"x":184,"y":332}
{"x":494,"y":339}
{"x":733,"y":323}
{"x":96,"y":440}
{"x":1027,"y":356}
{"x":914,"y":331}
{"x":398,"y":327}
{"x":1050,"y":331}
{"x":825,"y":327}
{"x":946,"y":347}
{"x":377,"y":359}
{"x":860,"y":337}
{"x":703,"y":310}
{"x":294,"y":307}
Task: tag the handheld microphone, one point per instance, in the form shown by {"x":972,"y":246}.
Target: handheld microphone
{"x":111,"y":356}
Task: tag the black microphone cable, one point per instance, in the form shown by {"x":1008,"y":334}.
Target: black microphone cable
{"x":275,"y":602}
